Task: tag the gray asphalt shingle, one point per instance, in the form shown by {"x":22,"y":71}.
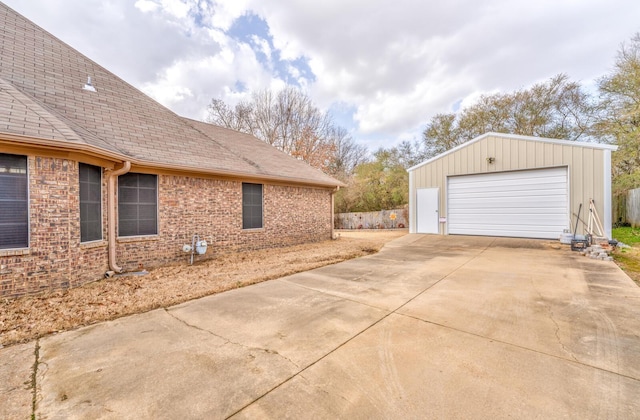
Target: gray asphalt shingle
{"x":42,"y":97}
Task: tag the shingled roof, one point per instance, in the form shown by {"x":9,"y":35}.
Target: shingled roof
{"x":42,"y":97}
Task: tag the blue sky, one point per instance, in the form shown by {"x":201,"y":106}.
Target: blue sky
{"x":382,"y":69}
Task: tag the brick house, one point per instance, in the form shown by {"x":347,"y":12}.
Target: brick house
{"x":97,"y":177}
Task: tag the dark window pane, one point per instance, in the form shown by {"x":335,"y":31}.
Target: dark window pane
{"x":13,"y":211}
{"x":147,"y":195}
{"x":137,"y":204}
{"x":147,"y":211}
{"x":90,"y":212}
{"x":251,"y":206}
{"x":13,"y":186}
{"x":95,"y":192}
{"x":128,"y":180}
{"x":13,"y":164}
{"x":14,"y":203}
{"x":90,"y":202}
{"x":84,"y":191}
{"x":94,"y":177}
{"x":147,"y":227}
{"x":146,"y":181}
{"x":127,"y":228}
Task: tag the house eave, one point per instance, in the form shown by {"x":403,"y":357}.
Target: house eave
{"x":70,"y":147}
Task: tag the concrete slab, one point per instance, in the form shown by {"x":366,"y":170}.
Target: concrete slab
{"x":151,"y":366}
{"x":299,"y":324}
{"x":546,"y":301}
{"x":361,"y":281}
{"x":390,"y":279}
{"x":410,"y":369}
{"x":431,"y":327}
{"x":16,"y":367}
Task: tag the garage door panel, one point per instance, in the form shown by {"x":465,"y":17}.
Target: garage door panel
{"x":540,"y":188}
{"x":531,"y":203}
{"x":514,"y":232}
{"x":492,"y":212}
{"x":526,"y":177}
{"x":513,"y":183}
{"x":519,"y":203}
{"x":504,"y":229}
{"x":506,"y":219}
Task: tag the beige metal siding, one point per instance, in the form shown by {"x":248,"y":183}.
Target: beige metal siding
{"x":586,"y":168}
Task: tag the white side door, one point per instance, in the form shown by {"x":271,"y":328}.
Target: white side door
{"x":427,"y":210}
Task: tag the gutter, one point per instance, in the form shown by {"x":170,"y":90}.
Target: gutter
{"x":112,"y":176}
{"x":69,"y":146}
{"x":333,"y":206}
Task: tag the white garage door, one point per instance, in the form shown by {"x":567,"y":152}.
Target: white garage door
{"x":525,"y":204}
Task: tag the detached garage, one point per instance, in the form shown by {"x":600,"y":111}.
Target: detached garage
{"x":510,"y":185}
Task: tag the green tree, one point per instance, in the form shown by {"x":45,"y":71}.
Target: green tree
{"x":557,"y":108}
{"x":619,"y":117}
{"x":381,"y":183}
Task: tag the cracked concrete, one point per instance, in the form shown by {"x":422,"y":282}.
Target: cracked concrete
{"x":550,"y":311}
{"x":16,"y":367}
{"x":431,"y":327}
{"x":227,"y":340}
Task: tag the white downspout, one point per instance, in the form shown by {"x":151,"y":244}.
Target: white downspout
{"x":112,"y":176}
{"x":608,"y":222}
{"x":412,"y":203}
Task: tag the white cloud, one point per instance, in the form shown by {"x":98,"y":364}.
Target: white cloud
{"x":262,"y":45}
{"x":146,"y":5}
{"x":177,"y":8}
{"x":187,"y":86}
{"x":393,"y":64}
{"x":226,"y":12}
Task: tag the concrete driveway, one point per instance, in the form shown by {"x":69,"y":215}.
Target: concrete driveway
{"x":431,"y":327}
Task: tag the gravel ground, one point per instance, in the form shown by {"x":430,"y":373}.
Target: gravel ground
{"x":27,"y":318}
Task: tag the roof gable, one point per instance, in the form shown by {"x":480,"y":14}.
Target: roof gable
{"x":515,"y":137}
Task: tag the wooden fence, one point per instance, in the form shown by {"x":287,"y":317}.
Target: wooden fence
{"x":619,"y":216}
{"x":385,"y":219}
{"x":633,"y":207}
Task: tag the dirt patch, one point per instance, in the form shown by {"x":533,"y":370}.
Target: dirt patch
{"x":27,"y":318}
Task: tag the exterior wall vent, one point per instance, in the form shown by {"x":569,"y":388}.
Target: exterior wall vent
{"x":89,"y":86}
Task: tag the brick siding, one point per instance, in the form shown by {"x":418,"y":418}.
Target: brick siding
{"x":211,"y":208}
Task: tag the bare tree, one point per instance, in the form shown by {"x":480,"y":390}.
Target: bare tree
{"x":347,"y":154}
{"x":289,"y":121}
{"x":237,"y":118}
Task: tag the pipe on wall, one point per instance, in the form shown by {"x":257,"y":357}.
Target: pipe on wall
{"x":112,"y":176}
{"x":333,"y":194}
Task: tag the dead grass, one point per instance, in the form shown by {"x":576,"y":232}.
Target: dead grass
{"x":27,"y":318}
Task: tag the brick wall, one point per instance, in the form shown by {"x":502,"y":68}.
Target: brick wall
{"x":211,"y":208}
{"x":55,"y":258}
